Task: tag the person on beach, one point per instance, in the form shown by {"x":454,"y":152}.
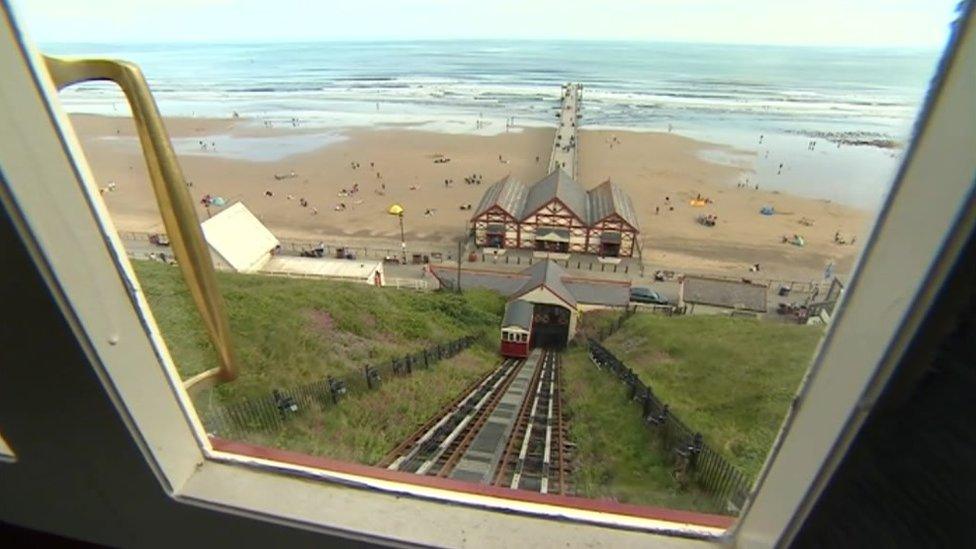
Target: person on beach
{"x":760,"y":138}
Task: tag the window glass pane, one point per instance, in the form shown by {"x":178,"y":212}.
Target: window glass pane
{"x":698,"y":251}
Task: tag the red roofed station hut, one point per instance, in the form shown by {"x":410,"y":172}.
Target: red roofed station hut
{"x":557,"y":215}
{"x":540,"y":313}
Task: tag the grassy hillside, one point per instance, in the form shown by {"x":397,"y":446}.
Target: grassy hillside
{"x":290,"y":331}
{"x":617,"y":456}
{"x":367,"y":425}
{"x":294,"y":331}
{"x":732,"y":379}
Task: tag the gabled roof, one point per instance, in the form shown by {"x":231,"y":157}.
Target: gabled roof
{"x":732,"y":294}
{"x":559,"y":185}
{"x":239,"y":238}
{"x":585,"y":290}
{"x":508,"y":194}
{"x":519,"y":313}
{"x":323,"y":267}
{"x":548,"y":274}
{"x":607,"y":199}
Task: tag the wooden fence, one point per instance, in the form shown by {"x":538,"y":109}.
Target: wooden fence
{"x":693,"y":460}
{"x":272,"y":411}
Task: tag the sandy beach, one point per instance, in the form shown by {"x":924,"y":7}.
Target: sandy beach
{"x":662,"y":172}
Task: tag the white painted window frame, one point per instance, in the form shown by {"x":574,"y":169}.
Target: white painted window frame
{"x":59,"y":214}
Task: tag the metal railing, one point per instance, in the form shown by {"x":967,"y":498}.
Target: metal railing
{"x":579,"y":262}
{"x":693,"y":460}
{"x":337,"y":249}
{"x":275,"y":409}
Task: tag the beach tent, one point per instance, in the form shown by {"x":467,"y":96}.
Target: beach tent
{"x":767,"y":210}
{"x":238,"y":241}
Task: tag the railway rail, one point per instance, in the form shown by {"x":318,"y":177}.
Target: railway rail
{"x":508,"y":426}
{"x":539,"y":451}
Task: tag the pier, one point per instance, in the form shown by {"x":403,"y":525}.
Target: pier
{"x":566,"y":142}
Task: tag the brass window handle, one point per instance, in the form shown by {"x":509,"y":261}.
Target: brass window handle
{"x":175,"y":203}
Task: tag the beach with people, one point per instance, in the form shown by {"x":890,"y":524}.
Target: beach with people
{"x":338,"y":184}
{"x":735,"y":161}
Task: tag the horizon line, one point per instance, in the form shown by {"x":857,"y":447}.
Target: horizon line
{"x":267,"y":41}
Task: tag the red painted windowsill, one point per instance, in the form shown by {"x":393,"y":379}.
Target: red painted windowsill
{"x":596,"y":505}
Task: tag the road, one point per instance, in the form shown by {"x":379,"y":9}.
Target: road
{"x":669,"y":289}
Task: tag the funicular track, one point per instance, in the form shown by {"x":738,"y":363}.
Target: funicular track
{"x":538,"y":454}
{"x":529,"y":446}
{"x":436,"y":442}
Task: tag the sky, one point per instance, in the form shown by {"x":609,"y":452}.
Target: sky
{"x":870,"y":23}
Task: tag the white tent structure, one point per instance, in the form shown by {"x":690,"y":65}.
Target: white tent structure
{"x":351,"y":270}
{"x":238,"y":240}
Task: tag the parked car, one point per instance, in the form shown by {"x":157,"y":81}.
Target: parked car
{"x":645,"y":295}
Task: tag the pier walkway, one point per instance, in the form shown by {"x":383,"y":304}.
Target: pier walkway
{"x":565,"y":144}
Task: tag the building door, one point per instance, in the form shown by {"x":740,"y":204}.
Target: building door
{"x":610,"y":249}
{"x":610,"y":244}
{"x":551,"y":246}
{"x":495,"y":240}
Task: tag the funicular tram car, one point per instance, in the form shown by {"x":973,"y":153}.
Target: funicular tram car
{"x":527,"y":325}
{"x":516,"y":333}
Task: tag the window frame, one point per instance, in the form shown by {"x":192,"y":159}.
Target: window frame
{"x":49,"y":195}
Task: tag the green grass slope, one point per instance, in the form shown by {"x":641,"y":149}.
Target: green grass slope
{"x":732,"y":379}
{"x":617,"y":457}
{"x":290,"y":331}
{"x":293,"y":331}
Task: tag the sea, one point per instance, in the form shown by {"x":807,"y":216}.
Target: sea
{"x":762,"y":106}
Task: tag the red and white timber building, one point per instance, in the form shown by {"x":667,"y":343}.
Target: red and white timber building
{"x":557,"y":215}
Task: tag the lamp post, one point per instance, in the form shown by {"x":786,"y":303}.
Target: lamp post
{"x":461,"y":242}
{"x":397,"y":210}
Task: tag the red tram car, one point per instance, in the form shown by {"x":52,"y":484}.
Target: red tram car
{"x":516,"y":332}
